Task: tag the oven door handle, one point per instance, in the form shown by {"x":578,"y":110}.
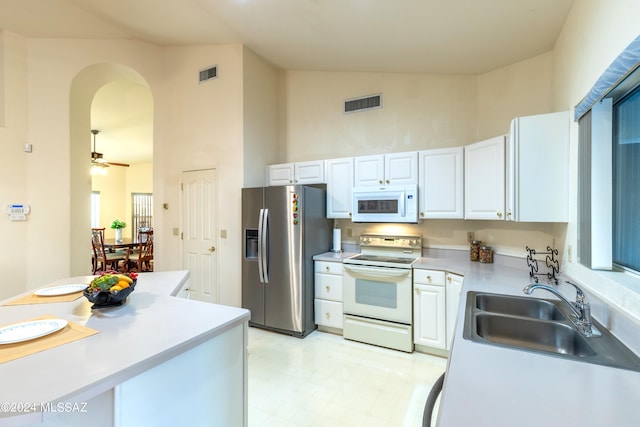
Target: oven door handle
{"x":377,"y":272}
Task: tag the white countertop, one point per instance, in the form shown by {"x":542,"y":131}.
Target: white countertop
{"x":486,"y":385}
{"x":150,"y":328}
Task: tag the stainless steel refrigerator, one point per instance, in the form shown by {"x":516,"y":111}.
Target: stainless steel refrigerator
{"x":283,"y":228}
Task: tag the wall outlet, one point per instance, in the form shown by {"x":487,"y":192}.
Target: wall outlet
{"x":223,"y":234}
{"x":470,"y":236}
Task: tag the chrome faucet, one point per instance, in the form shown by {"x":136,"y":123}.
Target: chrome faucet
{"x":580,"y":308}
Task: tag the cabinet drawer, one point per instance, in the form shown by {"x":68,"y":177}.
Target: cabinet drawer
{"x":328,"y":313}
{"x":328,"y":286}
{"x":428,"y":277}
{"x":328,"y":267}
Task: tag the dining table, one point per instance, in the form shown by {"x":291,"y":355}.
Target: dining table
{"x":112,"y":245}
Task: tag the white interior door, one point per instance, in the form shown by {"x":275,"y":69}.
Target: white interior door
{"x":199,"y":233}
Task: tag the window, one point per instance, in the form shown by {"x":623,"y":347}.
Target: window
{"x":141,"y":210}
{"x":95,"y":209}
{"x":626,"y":176}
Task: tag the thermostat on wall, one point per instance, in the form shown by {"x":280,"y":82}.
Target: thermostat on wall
{"x":18,"y":212}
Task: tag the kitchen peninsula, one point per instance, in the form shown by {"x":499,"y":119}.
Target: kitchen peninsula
{"x":156,"y":359}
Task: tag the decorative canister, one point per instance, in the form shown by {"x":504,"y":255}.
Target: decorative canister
{"x":486,"y":254}
{"x":474,"y":250}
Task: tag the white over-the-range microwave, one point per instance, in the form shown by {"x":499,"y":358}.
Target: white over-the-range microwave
{"x":394,"y":203}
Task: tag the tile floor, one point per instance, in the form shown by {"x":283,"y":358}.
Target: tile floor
{"x":325,"y":380}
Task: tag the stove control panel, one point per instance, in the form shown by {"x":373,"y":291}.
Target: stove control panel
{"x":385,"y":241}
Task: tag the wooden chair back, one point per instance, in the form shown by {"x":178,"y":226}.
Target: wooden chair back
{"x":97,"y":243}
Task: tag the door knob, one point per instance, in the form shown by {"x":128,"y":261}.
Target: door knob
{"x":212,"y":249}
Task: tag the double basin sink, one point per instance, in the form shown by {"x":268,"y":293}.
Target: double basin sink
{"x":541,"y":326}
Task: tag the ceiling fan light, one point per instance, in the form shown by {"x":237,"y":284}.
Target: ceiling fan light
{"x":98,"y":169}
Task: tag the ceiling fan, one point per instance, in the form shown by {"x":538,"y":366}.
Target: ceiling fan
{"x":97,"y":159}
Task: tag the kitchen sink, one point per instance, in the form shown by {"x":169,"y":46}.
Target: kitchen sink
{"x":519,"y":306}
{"x":541,"y":326}
{"x":544,"y":336}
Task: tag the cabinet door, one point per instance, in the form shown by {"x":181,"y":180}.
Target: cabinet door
{"x":282,"y":174}
{"x":452,"y":297}
{"x":369,"y":171}
{"x":484,"y":170}
{"x":429,"y":316}
{"x":441,"y":183}
{"x":540,"y":172}
{"x":328,"y":313}
{"x":309,"y":172}
{"x":328,"y":286}
{"x":401,"y":168}
{"x":339,"y":188}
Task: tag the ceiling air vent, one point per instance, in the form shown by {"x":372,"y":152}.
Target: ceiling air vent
{"x":208,"y":74}
{"x":362,"y":104}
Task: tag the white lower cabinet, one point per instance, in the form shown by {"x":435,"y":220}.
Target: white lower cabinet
{"x":429,"y":327}
{"x":328,"y":294}
{"x":454,"y":287}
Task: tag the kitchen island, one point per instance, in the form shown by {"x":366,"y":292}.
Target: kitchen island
{"x":156,"y":360}
{"x":487,"y":385}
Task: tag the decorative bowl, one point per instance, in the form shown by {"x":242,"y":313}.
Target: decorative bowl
{"x":100,"y":291}
{"x":108,"y":298}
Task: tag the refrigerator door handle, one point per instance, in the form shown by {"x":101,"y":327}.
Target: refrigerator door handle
{"x":260,"y":246}
{"x":265,"y":258}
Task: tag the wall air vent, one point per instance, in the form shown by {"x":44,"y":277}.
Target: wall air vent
{"x":362,"y":104}
{"x":208,"y":74}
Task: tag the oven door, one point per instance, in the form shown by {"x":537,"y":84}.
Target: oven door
{"x":378,"y":292}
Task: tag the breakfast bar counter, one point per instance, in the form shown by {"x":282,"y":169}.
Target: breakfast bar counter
{"x":155,"y":360}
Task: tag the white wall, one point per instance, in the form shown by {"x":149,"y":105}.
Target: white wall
{"x":420,"y":111}
{"x":260,"y":116}
{"x":14,"y":119}
{"x":520,"y":89}
{"x":200,"y":126}
{"x":594,"y":34}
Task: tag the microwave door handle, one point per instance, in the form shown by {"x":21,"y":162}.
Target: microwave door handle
{"x":403,"y":202}
{"x":265,"y":254}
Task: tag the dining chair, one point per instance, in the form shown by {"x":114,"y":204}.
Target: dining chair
{"x":103,"y":259}
{"x":140,"y":258}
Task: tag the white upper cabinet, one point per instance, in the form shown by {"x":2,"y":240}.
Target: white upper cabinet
{"x":538,"y":168}
{"x":386,"y":169}
{"x":296,"y":173}
{"x":484,"y":184}
{"x":441,"y":186}
{"x":339,"y":187}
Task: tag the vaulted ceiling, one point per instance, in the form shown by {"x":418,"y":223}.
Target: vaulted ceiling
{"x":416,"y":36}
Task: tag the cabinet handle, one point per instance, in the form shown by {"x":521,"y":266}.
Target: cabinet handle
{"x":421,"y":214}
{"x":327,"y":268}
{"x":328,"y":288}
{"x":327,"y":316}
{"x":509,"y":213}
{"x":449,"y":279}
{"x":350,"y":214}
{"x":379,"y":181}
{"x":429,"y":278}
{"x":387,"y":181}
{"x":499,"y":214}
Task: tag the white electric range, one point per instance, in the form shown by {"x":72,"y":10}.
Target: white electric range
{"x":377,"y":291}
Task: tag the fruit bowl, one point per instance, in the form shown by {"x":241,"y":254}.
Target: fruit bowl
{"x":109,"y":289}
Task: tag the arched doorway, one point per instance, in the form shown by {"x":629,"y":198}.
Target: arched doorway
{"x":83,"y":90}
